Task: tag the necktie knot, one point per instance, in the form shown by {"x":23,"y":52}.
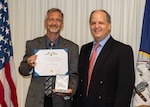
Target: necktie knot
{"x":96,"y":46}
{"x":94,"y":52}
{"x":51,"y":45}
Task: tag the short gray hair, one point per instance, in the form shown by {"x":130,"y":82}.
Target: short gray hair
{"x":55,"y":10}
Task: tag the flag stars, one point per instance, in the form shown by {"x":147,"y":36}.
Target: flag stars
{"x":1,"y":16}
{"x":7,"y":52}
{"x":7,"y":22}
{"x":10,"y":43}
{"x":0,"y":47}
{"x":4,"y":19}
{"x":7,"y":31}
{"x":2,"y":59}
{"x":2,"y":28}
{"x":1,"y":37}
{"x":5,"y":41}
{"x":5,"y":9}
{"x":5,"y":37}
{"x":5,"y":1}
{"x":1,"y":6}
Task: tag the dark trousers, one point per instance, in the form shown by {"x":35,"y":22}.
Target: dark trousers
{"x":48,"y":102}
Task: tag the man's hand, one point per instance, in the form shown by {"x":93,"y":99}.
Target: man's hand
{"x":31,"y":60}
{"x":69,"y":91}
{"x":144,"y":106}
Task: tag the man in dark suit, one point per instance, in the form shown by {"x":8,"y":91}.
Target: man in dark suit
{"x":36,"y":94}
{"x":112,"y":79}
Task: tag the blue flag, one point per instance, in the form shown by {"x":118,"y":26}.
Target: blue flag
{"x":144,"y":52}
{"x":142,"y":72}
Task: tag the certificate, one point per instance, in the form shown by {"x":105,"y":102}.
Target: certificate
{"x":51,"y":62}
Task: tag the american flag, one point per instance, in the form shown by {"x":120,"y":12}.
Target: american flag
{"x":8,"y":96}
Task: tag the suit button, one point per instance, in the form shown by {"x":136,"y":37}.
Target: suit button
{"x":80,"y":95}
{"x":99,"y":97}
{"x":101,"y":82}
{"x":81,"y":80}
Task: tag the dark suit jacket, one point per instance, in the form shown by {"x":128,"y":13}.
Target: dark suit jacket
{"x":112,"y":80}
{"x":35,"y":96}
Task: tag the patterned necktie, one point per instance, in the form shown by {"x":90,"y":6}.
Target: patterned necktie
{"x":91,"y":64}
{"x":48,"y":86}
{"x":49,"y":80}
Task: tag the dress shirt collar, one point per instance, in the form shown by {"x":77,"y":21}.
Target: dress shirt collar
{"x":102,"y":43}
{"x":56,"y":42}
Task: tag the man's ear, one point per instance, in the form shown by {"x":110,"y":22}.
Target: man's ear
{"x":110,"y":27}
{"x":62,"y":26}
{"x":45,"y":24}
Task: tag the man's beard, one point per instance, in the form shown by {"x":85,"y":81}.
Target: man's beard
{"x":54,"y":29}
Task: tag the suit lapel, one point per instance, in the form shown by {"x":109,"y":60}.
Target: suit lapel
{"x":42,"y":43}
{"x":85,"y":55}
{"x":61,"y":43}
{"x":102,"y":57}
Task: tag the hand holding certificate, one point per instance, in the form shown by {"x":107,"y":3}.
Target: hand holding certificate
{"x":51,"y":62}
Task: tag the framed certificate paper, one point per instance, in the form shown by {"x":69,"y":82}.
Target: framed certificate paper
{"x":51,"y":62}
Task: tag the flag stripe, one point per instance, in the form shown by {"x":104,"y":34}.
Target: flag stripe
{"x":2,"y":101}
{"x":144,"y":54}
{"x":11,"y":84}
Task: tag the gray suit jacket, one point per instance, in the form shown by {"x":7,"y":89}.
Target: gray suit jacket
{"x":35,"y":96}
